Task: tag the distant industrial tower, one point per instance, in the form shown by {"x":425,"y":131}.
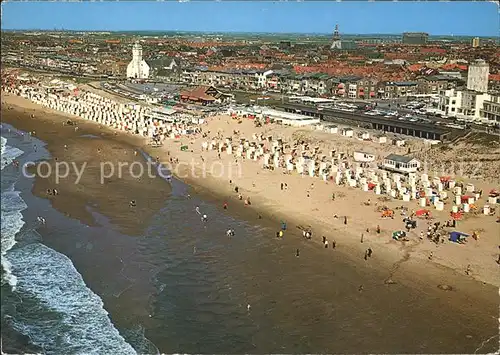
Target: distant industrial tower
{"x":137,"y":68}
{"x":336,"y":44}
{"x":475,"y":42}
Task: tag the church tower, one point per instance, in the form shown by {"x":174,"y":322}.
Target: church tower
{"x":137,"y":52}
{"x":336,"y":44}
{"x":137,"y":68}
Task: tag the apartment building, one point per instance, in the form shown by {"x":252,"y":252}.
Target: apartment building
{"x":434,"y":84}
{"x":467,"y":104}
{"x":491,"y":109}
{"x":397,"y":89}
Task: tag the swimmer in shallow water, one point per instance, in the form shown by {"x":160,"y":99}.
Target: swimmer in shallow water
{"x":204,"y":218}
{"x":197,"y":209}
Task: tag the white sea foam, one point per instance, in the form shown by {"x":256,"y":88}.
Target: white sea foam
{"x":8,"y":153}
{"x":12,"y":222}
{"x":12,"y":205}
{"x":85,"y":326}
{"x":48,"y":277}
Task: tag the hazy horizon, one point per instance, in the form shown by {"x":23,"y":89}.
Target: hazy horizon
{"x":452,"y":18}
{"x":302,"y":34}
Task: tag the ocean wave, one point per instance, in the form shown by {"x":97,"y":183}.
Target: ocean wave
{"x":58,"y":312}
{"x":11,"y":218}
{"x":80,"y":323}
{"x":8,"y":154}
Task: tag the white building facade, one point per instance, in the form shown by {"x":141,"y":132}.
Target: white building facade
{"x":261,"y":78}
{"x":463,"y":104}
{"x":477,"y":77}
{"x":137,"y":68}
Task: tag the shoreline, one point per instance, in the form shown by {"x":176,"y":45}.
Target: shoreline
{"x":392,"y":257}
{"x":101,"y":145}
{"x":467,"y":297}
{"x":112,"y":225}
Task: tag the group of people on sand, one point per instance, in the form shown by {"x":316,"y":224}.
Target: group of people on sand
{"x":52,"y":192}
{"x":246,"y":201}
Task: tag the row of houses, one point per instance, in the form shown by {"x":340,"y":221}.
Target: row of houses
{"x":315,"y":84}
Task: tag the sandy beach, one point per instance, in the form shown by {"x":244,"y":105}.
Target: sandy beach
{"x":403,"y":263}
{"x":308,"y":201}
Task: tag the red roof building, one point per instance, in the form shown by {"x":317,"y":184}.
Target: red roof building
{"x":203,"y":94}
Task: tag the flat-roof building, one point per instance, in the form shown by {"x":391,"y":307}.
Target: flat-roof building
{"x":400,"y":163}
{"x":415,"y":38}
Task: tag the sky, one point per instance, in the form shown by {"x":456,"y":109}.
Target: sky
{"x":436,"y":18}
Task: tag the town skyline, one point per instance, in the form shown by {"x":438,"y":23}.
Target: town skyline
{"x":147,"y":33}
{"x":313,"y":18}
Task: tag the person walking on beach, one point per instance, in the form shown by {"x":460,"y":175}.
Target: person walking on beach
{"x":362,"y":236}
{"x":297,"y":253}
{"x":345,"y":220}
{"x":326,"y":244}
{"x":334,"y":244}
{"x":370,"y":252}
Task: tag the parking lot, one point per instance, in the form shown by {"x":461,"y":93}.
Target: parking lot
{"x":423,"y":112}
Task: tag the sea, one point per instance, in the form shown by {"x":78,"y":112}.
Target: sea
{"x":184,"y":286}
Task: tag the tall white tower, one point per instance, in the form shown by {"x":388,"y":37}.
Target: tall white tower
{"x":137,"y":68}
{"x":477,"y":76}
{"x":336,"y":44}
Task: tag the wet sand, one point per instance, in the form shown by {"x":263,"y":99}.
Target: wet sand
{"x":89,"y":152}
{"x":469,"y":299}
